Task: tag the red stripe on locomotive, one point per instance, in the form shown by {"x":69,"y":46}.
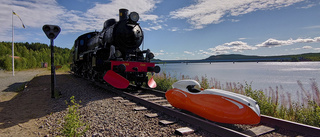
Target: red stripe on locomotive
{"x":142,"y":66}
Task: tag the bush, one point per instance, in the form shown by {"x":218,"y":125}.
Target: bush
{"x":73,"y":126}
{"x":265,"y":103}
{"x":164,"y":81}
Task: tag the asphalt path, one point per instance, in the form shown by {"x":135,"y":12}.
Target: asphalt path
{"x":9,"y":83}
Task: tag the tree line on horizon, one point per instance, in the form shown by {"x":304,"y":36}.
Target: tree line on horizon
{"x":31,"y":55}
{"x":293,"y":58}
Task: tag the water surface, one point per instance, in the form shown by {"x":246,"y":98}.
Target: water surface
{"x":262,"y":75}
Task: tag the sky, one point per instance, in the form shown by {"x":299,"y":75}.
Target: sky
{"x":177,"y":29}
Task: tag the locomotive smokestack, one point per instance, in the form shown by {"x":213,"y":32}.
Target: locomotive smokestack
{"x":123,"y":14}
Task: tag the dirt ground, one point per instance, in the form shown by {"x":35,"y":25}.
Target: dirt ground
{"x":10,"y":85}
{"x":20,"y":115}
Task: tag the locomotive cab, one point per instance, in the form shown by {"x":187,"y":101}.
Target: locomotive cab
{"x":80,"y":44}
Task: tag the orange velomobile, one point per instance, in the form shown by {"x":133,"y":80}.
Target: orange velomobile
{"x":214,"y":104}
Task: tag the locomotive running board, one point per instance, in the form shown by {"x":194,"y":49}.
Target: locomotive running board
{"x":116,"y":80}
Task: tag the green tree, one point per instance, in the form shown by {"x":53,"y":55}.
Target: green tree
{"x":31,"y":55}
{"x":294,"y":59}
{"x":3,"y":49}
{"x":7,"y":63}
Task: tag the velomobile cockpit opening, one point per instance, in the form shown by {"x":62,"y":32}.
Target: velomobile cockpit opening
{"x":194,"y":88}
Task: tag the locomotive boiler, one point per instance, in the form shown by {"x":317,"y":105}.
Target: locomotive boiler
{"x":113,"y":54}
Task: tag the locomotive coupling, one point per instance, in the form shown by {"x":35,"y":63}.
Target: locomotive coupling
{"x":120,"y":68}
{"x":135,"y":69}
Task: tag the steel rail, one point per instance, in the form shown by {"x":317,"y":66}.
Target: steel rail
{"x":289,"y":125}
{"x":197,"y":122}
{"x":275,"y":122}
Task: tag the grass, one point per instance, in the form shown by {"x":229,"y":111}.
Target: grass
{"x":271,"y":102}
{"x":72,"y":125}
{"x":64,"y":68}
{"x":21,"y":87}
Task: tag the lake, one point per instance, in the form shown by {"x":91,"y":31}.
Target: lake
{"x":262,"y":75}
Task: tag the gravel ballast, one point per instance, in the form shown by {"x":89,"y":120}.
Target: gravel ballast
{"x":32,"y":112}
{"x":105,"y":115}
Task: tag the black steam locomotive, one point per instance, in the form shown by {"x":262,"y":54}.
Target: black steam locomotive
{"x":113,"y":54}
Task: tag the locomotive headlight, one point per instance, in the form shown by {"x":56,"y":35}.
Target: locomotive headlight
{"x":118,"y":54}
{"x":150,"y":55}
{"x":134,"y":16}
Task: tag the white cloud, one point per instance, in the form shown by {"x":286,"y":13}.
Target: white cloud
{"x":188,"y":52}
{"x":174,"y":29}
{"x":296,"y":49}
{"x":152,"y":28}
{"x":307,"y":47}
{"x":161,"y":52}
{"x":33,"y":13}
{"x":36,"y":13}
{"x":309,"y":4}
{"x":242,"y":38}
{"x":234,"y":20}
{"x":276,"y":43}
{"x":100,"y":12}
{"x":235,"y":46}
{"x":205,"y":12}
{"x":205,"y":52}
{"x":111,"y":10}
{"x":240,"y":46}
{"x":313,"y":27}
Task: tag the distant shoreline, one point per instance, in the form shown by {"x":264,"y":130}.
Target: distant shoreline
{"x":248,"y":58}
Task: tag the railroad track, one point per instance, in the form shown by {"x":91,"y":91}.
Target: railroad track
{"x":275,"y":123}
{"x":268,"y":124}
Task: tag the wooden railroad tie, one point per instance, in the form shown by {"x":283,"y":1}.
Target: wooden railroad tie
{"x":259,"y":130}
{"x":129,"y":104}
{"x":166,"y":122}
{"x":154,"y":98}
{"x":124,"y":101}
{"x":139,"y":108}
{"x":184,"y":131}
{"x":151,"y":115}
{"x":145,"y":96}
{"x":167,"y":105}
{"x":159,"y":101}
{"x":117,"y":98}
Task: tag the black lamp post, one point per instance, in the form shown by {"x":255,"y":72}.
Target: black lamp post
{"x":52,"y":31}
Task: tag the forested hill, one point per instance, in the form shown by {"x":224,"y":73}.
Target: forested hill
{"x":31,"y":55}
{"x":298,"y":57}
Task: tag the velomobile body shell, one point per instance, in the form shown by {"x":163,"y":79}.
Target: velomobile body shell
{"x":214,"y":104}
